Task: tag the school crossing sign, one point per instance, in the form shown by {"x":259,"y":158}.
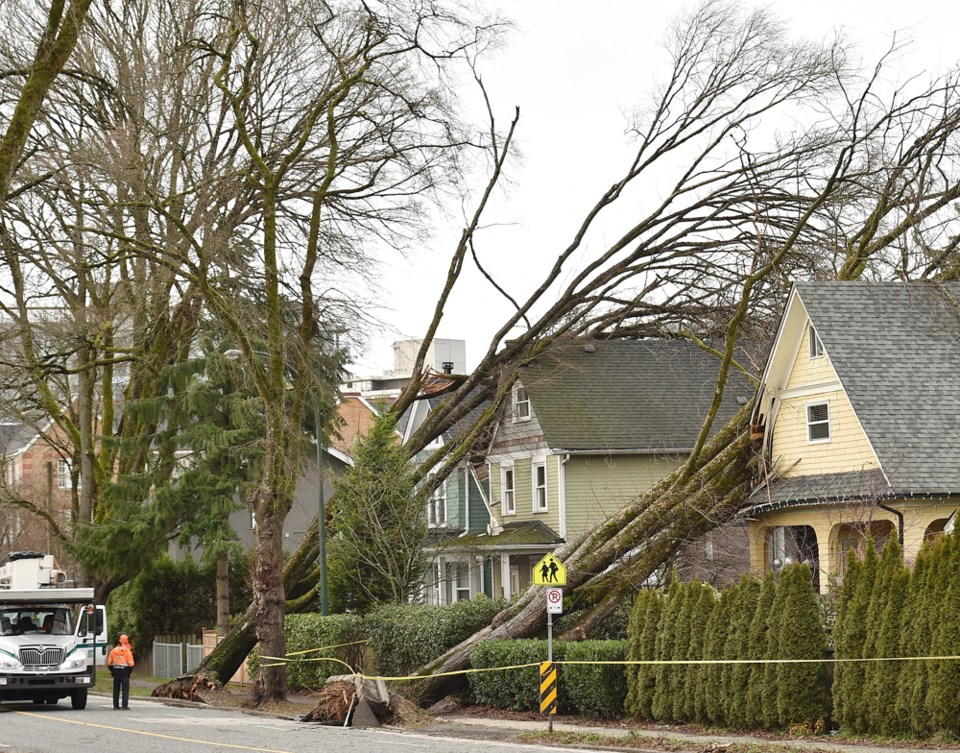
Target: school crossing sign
{"x":549,"y":572}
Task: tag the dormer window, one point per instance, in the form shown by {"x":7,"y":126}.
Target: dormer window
{"x":521,"y":404}
{"x":816,"y":345}
{"x":818,"y":422}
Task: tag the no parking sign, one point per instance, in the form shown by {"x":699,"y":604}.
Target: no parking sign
{"x":554,"y":601}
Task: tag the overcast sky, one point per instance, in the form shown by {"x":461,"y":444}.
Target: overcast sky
{"x":574,"y":70}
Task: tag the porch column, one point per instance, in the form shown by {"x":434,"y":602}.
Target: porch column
{"x":505,"y":575}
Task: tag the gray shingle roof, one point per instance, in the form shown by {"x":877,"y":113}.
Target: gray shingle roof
{"x":896,"y":349}
{"x":638,"y":395}
{"x":817,"y":489}
{"x":14,"y":437}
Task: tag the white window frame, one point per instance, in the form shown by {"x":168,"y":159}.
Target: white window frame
{"x":437,"y":501}
{"x":64,"y":475}
{"x":810,"y":424}
{"x":508,"y":495}
{"x":11,"y":471}
{"x":521,"y":404}
{"x":815,"y":344}
{"x":540,"y":501}
{"x":458,"y":592}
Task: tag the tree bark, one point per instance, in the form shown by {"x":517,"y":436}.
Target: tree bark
{"x":223,"y":594}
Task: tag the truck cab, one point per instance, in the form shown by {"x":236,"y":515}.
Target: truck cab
{"x":50,"y":635}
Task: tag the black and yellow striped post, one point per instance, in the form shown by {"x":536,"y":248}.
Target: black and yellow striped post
{"x":548,"y":690}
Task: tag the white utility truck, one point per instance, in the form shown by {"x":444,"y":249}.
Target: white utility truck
{"x":50,"y":634}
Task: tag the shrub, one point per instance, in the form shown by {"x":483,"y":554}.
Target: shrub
{"x":404,"y":638}
{"x":595,"y":689}
{"x":514,"y":689}
{"x":309,"y":631}
{"x":590,"y":690}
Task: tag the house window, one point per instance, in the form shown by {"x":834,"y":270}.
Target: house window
{"x":816,"y":345}
{"x":11,"y":474}
{"x":509,"y":492}
{"x":437,"y":506}
{"x":521,"y":404}
{"x":540,"y":487}
{"x":461,"y":584}
{"x":64,"y":471}
{"x":818,"y":422}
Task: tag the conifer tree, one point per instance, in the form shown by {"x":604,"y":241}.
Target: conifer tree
{"x":769,"y":716}
{"x":736,"y":677}
{"x":646,"y":673}
{"x":801,"y":689}
{"x":913,"y":644}
{"x":664,"y":674}
{"x":882,"y":678}
{"x":759,"y":631}
{"x":710,"y":690}
{"x":889,"y":562}
{"x":635,"y":626}
{"x":694,"y":691}
{"x":925,"y":692}
{"x":944,"y":676}
{"x":850,"y":684}
{"x":851,"y":580}
{"x":691,"y":593}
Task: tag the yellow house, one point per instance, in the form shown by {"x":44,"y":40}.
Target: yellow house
{"x":859,"y":417}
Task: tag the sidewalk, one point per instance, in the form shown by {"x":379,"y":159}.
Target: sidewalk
{"x":463,"y":726}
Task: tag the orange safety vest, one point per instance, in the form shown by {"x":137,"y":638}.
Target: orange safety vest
{"x":121,"y":656}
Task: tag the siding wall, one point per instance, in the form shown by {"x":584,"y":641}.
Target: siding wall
{"x":598,"y":486}
{"x":848,"y":448}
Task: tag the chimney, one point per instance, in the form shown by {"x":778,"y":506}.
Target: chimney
{"x":448,"y":367}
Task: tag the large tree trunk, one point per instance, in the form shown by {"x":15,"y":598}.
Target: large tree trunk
{"x":638,"y":540}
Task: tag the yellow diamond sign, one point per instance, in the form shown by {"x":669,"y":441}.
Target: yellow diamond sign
{"x":549,"y":572}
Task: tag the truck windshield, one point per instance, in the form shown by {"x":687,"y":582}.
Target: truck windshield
{"x":36,"y":621}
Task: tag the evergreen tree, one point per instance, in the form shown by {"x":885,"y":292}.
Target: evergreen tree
{"x":866,"y":720}
{"x":759,"y":631}
{"x":647,"y":673}
{"x":846,"y":599}
{"x":925,"y":692}
{"x":882,"y":678}
{"x":664,"y":674}
{"x":736,"y":677}
{"x":913,"y":643}
{"x":769,"y":716}
{"x":944,"y":676}
{"x":691,"y":593}
{"x":635,"y":626}
{"x":710,"y":691}
{"x":850,"y":685}
{"x":703,"y":607}
{"x":378,"y":525}
{"x":801,"y":689}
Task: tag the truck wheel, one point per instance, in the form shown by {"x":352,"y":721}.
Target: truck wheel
{"x":78,"y":699}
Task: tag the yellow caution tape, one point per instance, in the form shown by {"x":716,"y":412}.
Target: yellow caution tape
{"x":326,"y":648}
{"x":646,"y":662}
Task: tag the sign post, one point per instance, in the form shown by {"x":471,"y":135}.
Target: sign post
{"x":550,"y":572}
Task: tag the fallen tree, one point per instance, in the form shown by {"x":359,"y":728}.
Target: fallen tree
{"x":847,"y":194}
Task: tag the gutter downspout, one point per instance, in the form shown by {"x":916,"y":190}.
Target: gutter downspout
{"x":899,"y":522}
{"x":562,"y":493}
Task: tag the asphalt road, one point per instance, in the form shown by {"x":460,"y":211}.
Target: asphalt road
{"x":150,"y":727}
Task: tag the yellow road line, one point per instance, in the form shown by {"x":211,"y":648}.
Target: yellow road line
{"x":49,"y":717}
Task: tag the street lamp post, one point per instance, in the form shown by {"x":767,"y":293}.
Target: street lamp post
{"x":234,"y":355}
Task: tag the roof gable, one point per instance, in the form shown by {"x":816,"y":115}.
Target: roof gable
{"x":896,"y":350}
{"x":643,"y":396}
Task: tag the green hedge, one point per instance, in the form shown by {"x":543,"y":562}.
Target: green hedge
{"x":406,"y":637}
{"x":589,"y":690}
{"x":304,"y":632}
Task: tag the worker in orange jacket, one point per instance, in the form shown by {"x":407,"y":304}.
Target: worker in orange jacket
{"x":120,"y":662}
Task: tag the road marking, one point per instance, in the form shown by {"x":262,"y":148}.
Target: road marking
{"x":213,"y":744}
